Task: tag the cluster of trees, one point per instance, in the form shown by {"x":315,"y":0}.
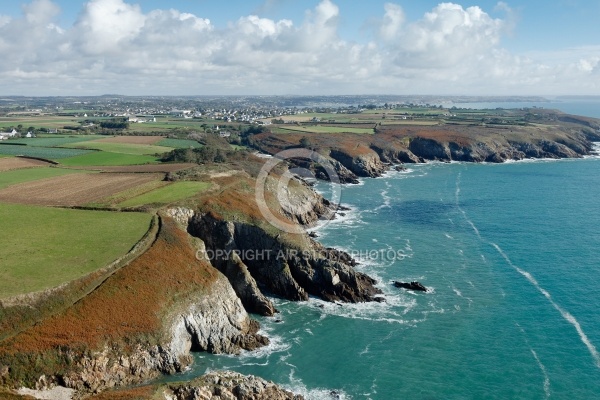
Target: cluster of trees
{"x":215,"y":149}
{"x":204,"y":155}
{"x":115,"y":123}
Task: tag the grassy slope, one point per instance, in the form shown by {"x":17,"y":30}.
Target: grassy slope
{"x":140,"y":295}
{"x":12,"y":177}
{"x":167,"y":194}
{"x":103,"y":158}
{"x":44,"y":247}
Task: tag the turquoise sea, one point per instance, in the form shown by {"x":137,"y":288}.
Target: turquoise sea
{"x":510,"y":252}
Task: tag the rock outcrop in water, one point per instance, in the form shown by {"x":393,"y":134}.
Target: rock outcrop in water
{"x":229,"y":385}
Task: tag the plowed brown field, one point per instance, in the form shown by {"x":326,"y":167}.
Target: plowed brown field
{"x":75,"y":189}
{"x":149,"y":168}
{"x":9,"y":163}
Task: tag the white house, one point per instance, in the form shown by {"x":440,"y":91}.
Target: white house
{"x":13,"y":133}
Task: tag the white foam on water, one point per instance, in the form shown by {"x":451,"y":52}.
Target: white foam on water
{"x":366,"y":350}
{"x":543,"y":368}
{"x":297,"y":386}
{"x":393,"y":310}
{"x":457,"y":196}
{"x":539,"y":363}
{"x":564,"y":313}
{"x":448,"y":236}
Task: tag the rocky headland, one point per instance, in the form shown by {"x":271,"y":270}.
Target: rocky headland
{"x":149,"y":315}
{"x":550,"y":134}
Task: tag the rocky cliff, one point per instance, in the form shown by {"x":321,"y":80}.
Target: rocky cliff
{"x":554,"y":135}
{"x":257,"y":262}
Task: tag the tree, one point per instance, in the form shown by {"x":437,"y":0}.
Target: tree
{"x":306,"y":143}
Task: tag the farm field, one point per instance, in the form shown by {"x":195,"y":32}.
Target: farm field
{"x":322,"y":129}
{"x":107,"y":145}
{"x":179,"y":143}
{"x":41,"y":152}
{"x":16,"y":176}
{"x":75,"y":189}
{"x":56,"y":141}
{"x":143,"y":140}
{"x":148,"y":168}
{"x":104,"y":158}
{"x":60,"y":244}
{"x":9,"y":163}
{"x":167,"y":194}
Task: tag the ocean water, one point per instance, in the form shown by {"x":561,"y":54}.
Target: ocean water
{"x":510,"y":252}
{"x":579,"y":106}
{"x":511,"y":255}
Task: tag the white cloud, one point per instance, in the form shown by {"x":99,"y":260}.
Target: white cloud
{"x":106,"y":25}
{"x":116,"y":47}
{"x":392,"y":21}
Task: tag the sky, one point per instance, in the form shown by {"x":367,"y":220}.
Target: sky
{"x":292,"y":47}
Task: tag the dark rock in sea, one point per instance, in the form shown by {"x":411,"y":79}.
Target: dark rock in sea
{"x":342,"y":208}
{"x":342,"y":214}
{"x":379,"y":299}
{"x":399,"y":168}
{"x":313,"y":235}
{"x":414,"y":285}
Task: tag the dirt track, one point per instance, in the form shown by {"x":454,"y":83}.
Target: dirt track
{"x":75,"y":189}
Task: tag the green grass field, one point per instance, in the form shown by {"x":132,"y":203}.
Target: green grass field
{"x":179,"y":143}
{"x":124,"y":148}
{"x":167,"y":194}
{"x":103,"y":158}
{"x":53,"y":141}
{"x":322,"y":129}
{"x":8,"y":178}
{"x":45,"y":121}
{"x":44,"y":247}
{"x":41,"y":152}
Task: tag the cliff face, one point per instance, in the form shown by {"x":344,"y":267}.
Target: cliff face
{"x":214,"y":321}
{"x":257,"y":262}
{"x":364,"y":164}
{"x":554,"y":136}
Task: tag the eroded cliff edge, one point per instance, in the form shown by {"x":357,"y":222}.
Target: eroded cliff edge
{"x":549,"y":134}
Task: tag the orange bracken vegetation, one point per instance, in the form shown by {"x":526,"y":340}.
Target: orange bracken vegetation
{"x":131,"y":302}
